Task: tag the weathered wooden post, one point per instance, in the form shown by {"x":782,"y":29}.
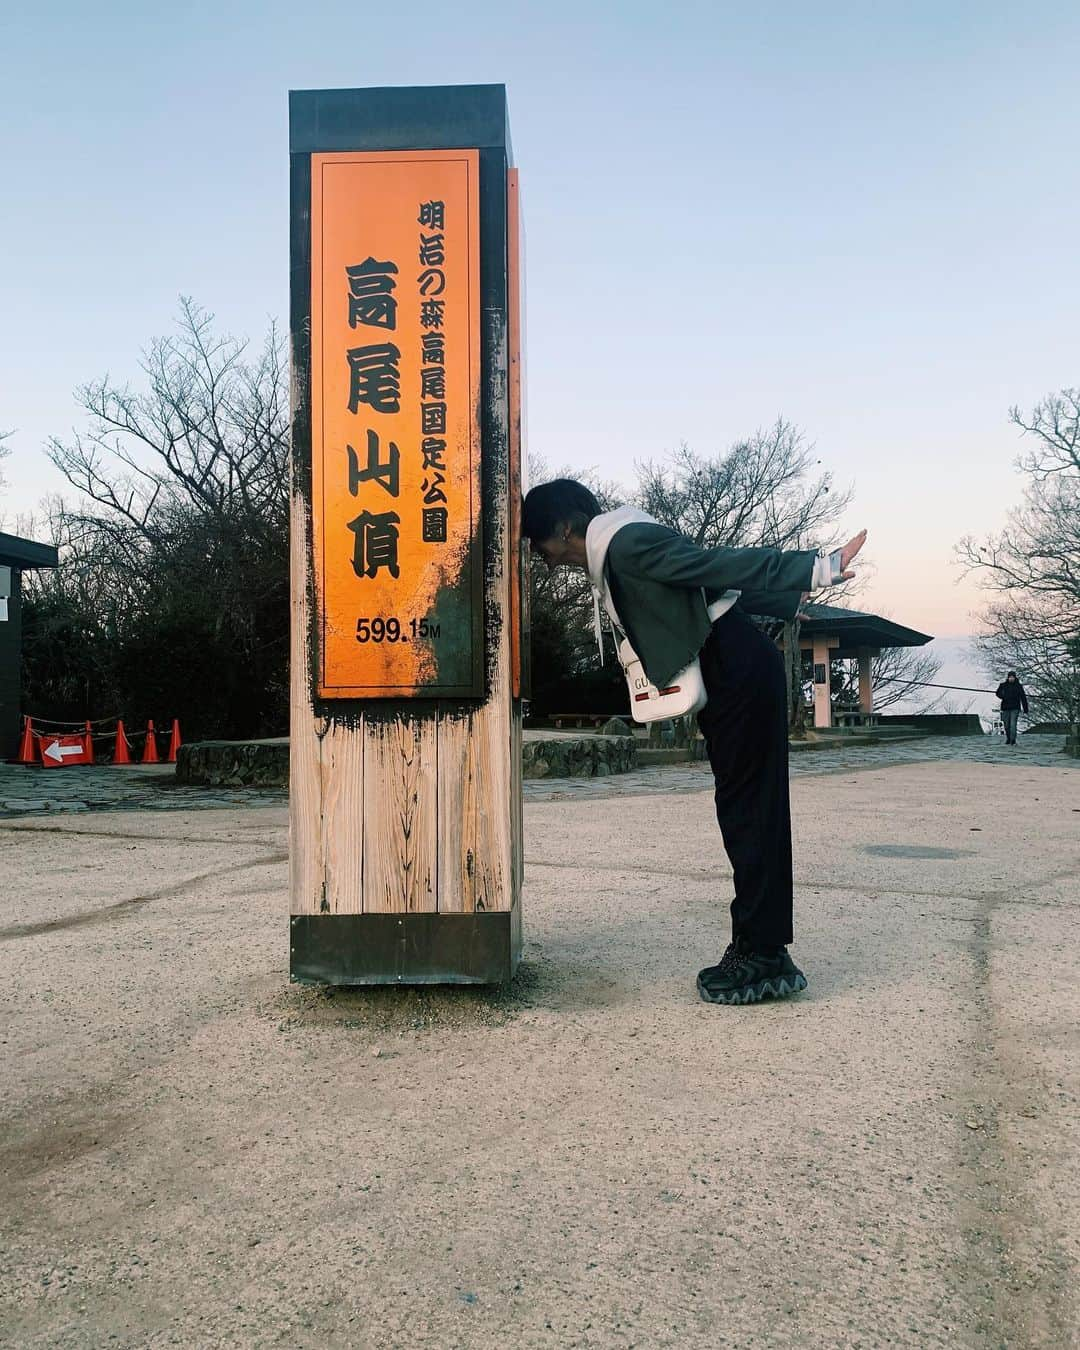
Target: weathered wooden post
{"x":405,"y":764}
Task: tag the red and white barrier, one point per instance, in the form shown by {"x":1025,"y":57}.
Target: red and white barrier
{"x":55,"y":745}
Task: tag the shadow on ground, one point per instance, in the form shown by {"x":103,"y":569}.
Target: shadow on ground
{"x":538,"y":984}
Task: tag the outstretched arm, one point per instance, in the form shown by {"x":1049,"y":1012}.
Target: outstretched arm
{"x":772,"y":604}
{"x":656,"y":553}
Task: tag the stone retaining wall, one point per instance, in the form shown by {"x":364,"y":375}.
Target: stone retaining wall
{"x":937,"y":724}
{"x":235,"y":763}
{"x":578,"y":756}
{"x":266,"y":763}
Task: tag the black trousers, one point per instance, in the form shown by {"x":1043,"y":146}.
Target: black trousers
{"x":745,"y":725}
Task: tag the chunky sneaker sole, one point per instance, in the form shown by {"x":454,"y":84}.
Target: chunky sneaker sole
{"x":773,"y":986}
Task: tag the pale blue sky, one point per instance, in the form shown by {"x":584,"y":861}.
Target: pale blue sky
{"x":862,"y":217}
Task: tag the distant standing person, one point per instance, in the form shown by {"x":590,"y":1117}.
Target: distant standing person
{"x":1013,"y":699}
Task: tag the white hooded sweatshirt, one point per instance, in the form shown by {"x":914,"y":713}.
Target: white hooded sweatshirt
{"x":602,"y":529}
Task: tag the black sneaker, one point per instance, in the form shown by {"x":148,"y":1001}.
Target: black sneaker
{"x":745,"y":976}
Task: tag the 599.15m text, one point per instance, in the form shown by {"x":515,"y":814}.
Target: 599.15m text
{"x":395,"y":630}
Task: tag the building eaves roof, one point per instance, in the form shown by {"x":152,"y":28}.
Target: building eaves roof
{"x":857,"y":628}
{"x":25,"y":553}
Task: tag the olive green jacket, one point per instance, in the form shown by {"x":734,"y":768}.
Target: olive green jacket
{"x":656,"y":578}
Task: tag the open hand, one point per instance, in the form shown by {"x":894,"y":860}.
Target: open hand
{"x":847,"y":555}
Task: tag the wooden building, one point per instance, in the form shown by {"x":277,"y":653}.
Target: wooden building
{"x":16,"y":556}
{"x":830,"y":633}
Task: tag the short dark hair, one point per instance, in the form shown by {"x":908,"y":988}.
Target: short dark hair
{"x":1013,"y":674}
{"x":563,"y":501}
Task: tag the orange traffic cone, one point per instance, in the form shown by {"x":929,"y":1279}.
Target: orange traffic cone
{"x":88,"y":742}
{"x":26,"y":753}
{"x":121,"y":754}
{"x":174,"y":742}
{"x":150,"y":754}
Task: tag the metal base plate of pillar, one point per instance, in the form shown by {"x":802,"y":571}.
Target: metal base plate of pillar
{"x":385,"y":949}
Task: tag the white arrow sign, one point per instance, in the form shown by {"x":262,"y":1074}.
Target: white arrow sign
{"x":59,"y":753}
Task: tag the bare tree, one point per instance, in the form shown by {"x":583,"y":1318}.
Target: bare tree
{"x":174,"y":551}
{"x":766,"y":491}
{"x":1032,"y":568}
{"x":897,"y":674}
{"x":1049,"y":667}
{"x":5,"y":450}
{"x":206,"y":440}
{"x":1055,"y":425}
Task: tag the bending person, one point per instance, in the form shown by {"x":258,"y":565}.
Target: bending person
{"x":677,"y":601}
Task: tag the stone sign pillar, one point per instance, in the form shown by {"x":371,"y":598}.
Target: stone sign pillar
{"x":407,"y":562}
{"x":866,"y":658}
{"x":822,"y":684}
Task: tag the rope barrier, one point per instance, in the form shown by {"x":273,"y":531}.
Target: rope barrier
{"x":94,"y":722}
{"x":80,"y":728}
{"x":960,"y":688}
{"x":96,"y":735}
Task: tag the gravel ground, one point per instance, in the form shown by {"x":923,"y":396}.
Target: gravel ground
{"x":195,"y":1153}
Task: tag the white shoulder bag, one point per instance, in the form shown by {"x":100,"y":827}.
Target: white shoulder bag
{"x":686,"y":692}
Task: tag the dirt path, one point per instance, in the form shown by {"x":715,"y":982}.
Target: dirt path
{"x":194,"y":1153}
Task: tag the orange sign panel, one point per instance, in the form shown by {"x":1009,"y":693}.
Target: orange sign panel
{"x":395,"y":445}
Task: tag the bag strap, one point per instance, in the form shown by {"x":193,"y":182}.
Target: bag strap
{"x":616,"y":627}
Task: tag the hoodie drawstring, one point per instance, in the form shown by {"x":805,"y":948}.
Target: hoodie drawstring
{"x":598,"y":627}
